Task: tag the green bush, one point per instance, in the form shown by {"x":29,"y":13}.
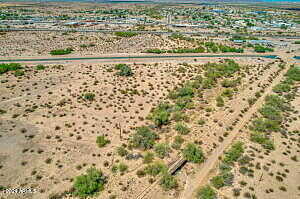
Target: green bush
{"x":228,"y":93}
{"x":182,"y":128}
{"x":276,"y":102}
{"x":220,"y":101}
{"x":156,"y":168}
{"x":206,"y":193}
{"x":102,"y":141}
{"x":297,"y":42}
{"x":294,"y":73}
{"x":178,"y":141}
{"x":161,"y":115}
{"x":122,"y":151}
{"x":263,"y":139}
{"x":193,"y":154}
{"x":89,"y":184}
{"x":124,"y":70}
{"x":9,"y":67}
{"x":162,"y":150}
{"x":224,"y":179}
{"x":122,"y":167}
{"x":270,"y":113}
{"x":19,"y":73}
{"x":218,"y":70}
{"x":125,"y":34}
{"x":61,"y":51}
{"x":40,"y":67}
{"x":262,"y":49}
{"x":144,"y":138}
{"x":282,"y":87}
{"x":148,"y":157}
{"x":179,"y":116}
{"x":178,"y":50}
{"x":89,"y":96}
{"x":229,"y":83}
{"x":234,"y":153}
{"x":168,"y":182}
{"x":265,"y":125}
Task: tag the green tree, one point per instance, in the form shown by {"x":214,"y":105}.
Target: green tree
{"x":89,"y":184}
{"x":144,"y":138}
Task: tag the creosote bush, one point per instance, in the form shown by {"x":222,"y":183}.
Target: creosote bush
{"x":102,"y":141}
{"x":156,"y":168}
{"x":61,"y":51}
{"x":124,"y":70}
{"x":234,"y":153}
{"x":193,"y":153}
{"x":89,"y":96}
{"x":206,"y":192}
{"x":90,"y":183}
{"x":168,"y":182}
{"x":182,"y":128}
{"x":144,"y":138}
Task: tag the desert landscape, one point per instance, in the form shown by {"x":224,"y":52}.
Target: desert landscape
{"x":125,"y":114}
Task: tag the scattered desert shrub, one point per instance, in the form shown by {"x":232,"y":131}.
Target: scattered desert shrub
{"x":122,"y":167}
{"x":262,"y":49}
{"x":220,"y":101}
{"x":218,"y":70}
{"x":234,"y":153}
{"x":228,"y":93}
{"x":265,"y":125}
{"x":89,"y":184}
{"x":193,"y":153}
{"x":148,"y":157}
{"x":224,"y":179}
{"x":2,"y":111}
{"x":125,"y":34}
{"x":40,"y":67}
{"x":89,"y":96}
{"x":124,"y":70}
{"x":270,"y":113}
{"x":178,"y":141}
{"x":102,"y":141}
{"x":182,"y":128}
{"x":9,"y":67}
{"x":168,"y":182}
{"x":263,"y":139}
{"x":122,"y":151}
{"x":179,"y":116}
{"x":294,"y":73}
{"x":18,"y":73}
{"x":178,"y":50}
{"x":156,"y":168}
{"x":61,"y":51}
{"x":230,"y":83}
{"x":144,"y":138}
{"x":161,"y":115}
{"x":162,"y":150}
{"x":281,"y":88}
{"x":206,"y":192}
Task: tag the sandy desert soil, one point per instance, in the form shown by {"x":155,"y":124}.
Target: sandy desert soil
{"x":49,"y":131}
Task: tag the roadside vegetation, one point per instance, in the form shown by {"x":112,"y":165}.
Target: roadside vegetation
{"x":4,"y":68}
{"x":125,"y":34}
{"x":61,"y":51}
